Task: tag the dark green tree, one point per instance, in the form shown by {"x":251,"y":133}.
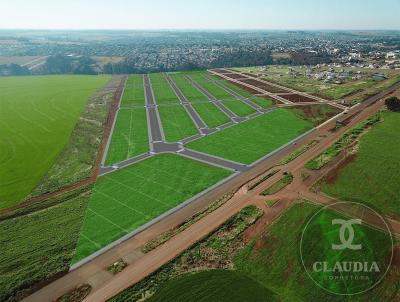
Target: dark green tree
{"x":393,"y":104}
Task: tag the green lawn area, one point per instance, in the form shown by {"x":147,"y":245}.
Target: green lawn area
{"x":163,"y":92}
{"x":210,"y":113}
{"x":128,"y":198}
{"x":130,"y":135}
{"x":37,"y":246}
{"x":134,"y":92}
{"x":214,"y":285}
{"x":37,"y":117}
{"x":176,"y":123}
{"x":236,"y":106}
{"x":373,"y":177}
{"x":251,"y":140}
{"x":272,"y":258}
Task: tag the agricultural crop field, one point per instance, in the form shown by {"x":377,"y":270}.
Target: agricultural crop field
{"x":214,"y":285}
{"x":37,"y":246}
{"x":280,"y":75}
{"x":126,"y":199}
{"x":37,"y":117}
{"x":372,"y":175}
{"x":251,"y":140}
{"x":272,"y":258}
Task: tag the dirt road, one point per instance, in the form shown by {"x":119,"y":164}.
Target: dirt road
{"x":105,"y":285}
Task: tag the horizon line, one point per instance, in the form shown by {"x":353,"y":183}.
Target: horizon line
{"x":198,"y":29}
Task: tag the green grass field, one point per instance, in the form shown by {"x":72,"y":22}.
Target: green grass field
{"x":37,"y":246}
{"x":126,"y":199}
{"x":130,"y":135}
{"x":37,"y":117}
{"x":214,"y":285}
{"x":373,"y":177}
{"x":236,"y":106}
{"x":251,"y":140}
{"x":134,"y":92}
{"x":210,"y":114}
{"x":163,"y":92}
{"x":175,"y":121}
{"x":272,"y":258}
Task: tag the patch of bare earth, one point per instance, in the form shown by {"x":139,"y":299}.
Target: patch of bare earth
{"x":333,"y":175}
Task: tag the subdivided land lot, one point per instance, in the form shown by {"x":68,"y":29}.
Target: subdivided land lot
{"x":251,"y":140}
{"x":236,"y":106}
{"x":126,"y":199}
{"x":175,"y":121}
{"x":130,"y":135}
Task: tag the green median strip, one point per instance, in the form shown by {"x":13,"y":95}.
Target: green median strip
{"x":286,"y":180}
{"x":236,"y":106}
{"x":210,"y":114}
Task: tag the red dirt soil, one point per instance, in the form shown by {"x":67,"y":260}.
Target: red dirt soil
{"x":222,"y":71}
{"x":264,"y":86}
{"x":333,"y":175}
{"x":296,"y":98}
{"x":234,"y":75}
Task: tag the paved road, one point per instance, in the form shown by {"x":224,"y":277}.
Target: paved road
{"x":153,"y":117}
{"x":216,"y":161}
{"x":155,"y":259}
{"x":212,"y":98}
{"x":188,"y":106}
{"x":105,"y":285}
{"x":235,"y":94}
{"x":276,"y":95}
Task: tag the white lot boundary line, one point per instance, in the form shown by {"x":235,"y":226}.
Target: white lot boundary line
{"x":270,"y":94}
{"x":184,"y":204}
{"x":319,"y":99}
{"x":156,"y":109}
{"x":150,"y":136}
{"x":150,"y":223}
{"x":224,"y":142}
{"x":236,"y":95}
{"x":141,"y":193}
{"x":108,"y":220}
{"x":103,"y":160}
{"x":152,"y":181}
{"x":231,"y":124}
{"x":218,"y":103}
{"x":121,"y":203}
{"x":175,"y":88}
{"x":208,"y":162}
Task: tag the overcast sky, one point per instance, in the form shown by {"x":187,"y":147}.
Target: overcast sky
{"x":200,"y":14}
